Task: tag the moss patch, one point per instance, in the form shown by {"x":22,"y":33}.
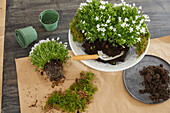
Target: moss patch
{"x":77,"y":97}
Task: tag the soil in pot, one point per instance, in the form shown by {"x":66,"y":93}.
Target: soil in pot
{"x":54,"y":70}
{"x":156,"y":82}
{"x":107,"y":48}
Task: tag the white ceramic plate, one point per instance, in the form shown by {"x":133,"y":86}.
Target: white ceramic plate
{"x":130,"y":60}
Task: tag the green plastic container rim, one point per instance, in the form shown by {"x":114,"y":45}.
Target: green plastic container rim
{"x":40,"y":17}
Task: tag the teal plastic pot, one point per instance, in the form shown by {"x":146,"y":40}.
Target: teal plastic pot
{"x":49,"y":19}
{"x":25,"y":36}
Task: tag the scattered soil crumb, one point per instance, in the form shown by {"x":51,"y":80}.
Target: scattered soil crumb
{"x":42,"y":73}
{"x":57,"y":83}
{"x":34,"y":104}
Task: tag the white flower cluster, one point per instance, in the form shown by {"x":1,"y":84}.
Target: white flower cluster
{"x":82,"y":5}
{"x":47,"y":40}
{"x":133,"y":26}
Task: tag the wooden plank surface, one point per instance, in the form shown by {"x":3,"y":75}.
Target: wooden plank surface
{"x":2,"y":17}
{"x":23,"y":13}
{"x":2,"y":30}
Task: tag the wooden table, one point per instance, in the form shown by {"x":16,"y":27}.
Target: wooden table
{"x":22,"y":13}
{"x":2,"y":30}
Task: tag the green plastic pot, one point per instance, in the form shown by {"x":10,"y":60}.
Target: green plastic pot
{"x":25,"y":36}
{"x":49,"y":19}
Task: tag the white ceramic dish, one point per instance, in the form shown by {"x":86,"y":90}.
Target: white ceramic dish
{"x":130,"y":60}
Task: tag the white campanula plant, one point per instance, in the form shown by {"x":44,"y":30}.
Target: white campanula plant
{"x":123,"y":24}
{"x":47,"y":50}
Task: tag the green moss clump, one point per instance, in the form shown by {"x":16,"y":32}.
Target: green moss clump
{"x":77,"y":34}
{"x":141,"y":46}
{"x":46,"y":51}
{"x":77,"y":97}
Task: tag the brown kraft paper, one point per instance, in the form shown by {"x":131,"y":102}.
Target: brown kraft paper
{"x":111,"y":96}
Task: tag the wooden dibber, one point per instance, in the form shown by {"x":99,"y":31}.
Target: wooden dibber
{"x":85,"y":57}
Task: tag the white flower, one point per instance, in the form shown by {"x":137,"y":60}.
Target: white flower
{"x":98,"y":29}
{"x":58,"y":38}
{"x":146,"y":16}
{"x":103,"y":34}
{"x":103,"y":29}
{"x":138,"y":33}
{"x":147,"y":20}
{"x":52,"y":39}
{"x":114,"y":29}
{"x":47,"y":40}
{"x":84,"y":22}
{"x":98,"y":25}
{"x":127,"y":5}
{"x":83,"y":31}
{"x":65,"y":43}
{"x":41,"y":41}
{"x":141,"y":21}
{"x":104,"y":2}
{"x":83,"y":4}
{"x":137,"y":27}
{"x":119,"y":35}
{"x":139,"y":12}
{"x":136,"y":17}
{"x":134,"y":5}
{"x":139,"y":39}
{"x":127,"y":25}
{"x":123,"y":8}
{"x":89,"y":1}
{"x":133,"y":21}
{"x":123,"y":2}
{"x":30,"y":52}
{"x":65,"y":46}
{"x":97,"y":18}
{"x":108,"y":21}
{"x":131,"y":29}
{"x":111,"y":27}
{"x":140,"y":7}
{"x":60,"y":42}
{"x":143,"y":30}
{"x":120,"y":19}
{"x":105,"y":25}
{"x":116,"y":5}
{"x":88,"y":38}
{"x":126,"y":19}
{"x":102,"y":7}
{"x":109,"y":17}
{"x":123,"y":25}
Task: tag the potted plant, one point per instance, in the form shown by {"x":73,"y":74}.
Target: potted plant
{"x":112,"y":28}
{"x":48,"y":55}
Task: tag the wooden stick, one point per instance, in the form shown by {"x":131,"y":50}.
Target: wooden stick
{"x":85,"y":57}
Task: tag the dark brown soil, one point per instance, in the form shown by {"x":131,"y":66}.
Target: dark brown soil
{"x":107,"y":48}
{"x":156,"y":81}
{"x":54,"y":70}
